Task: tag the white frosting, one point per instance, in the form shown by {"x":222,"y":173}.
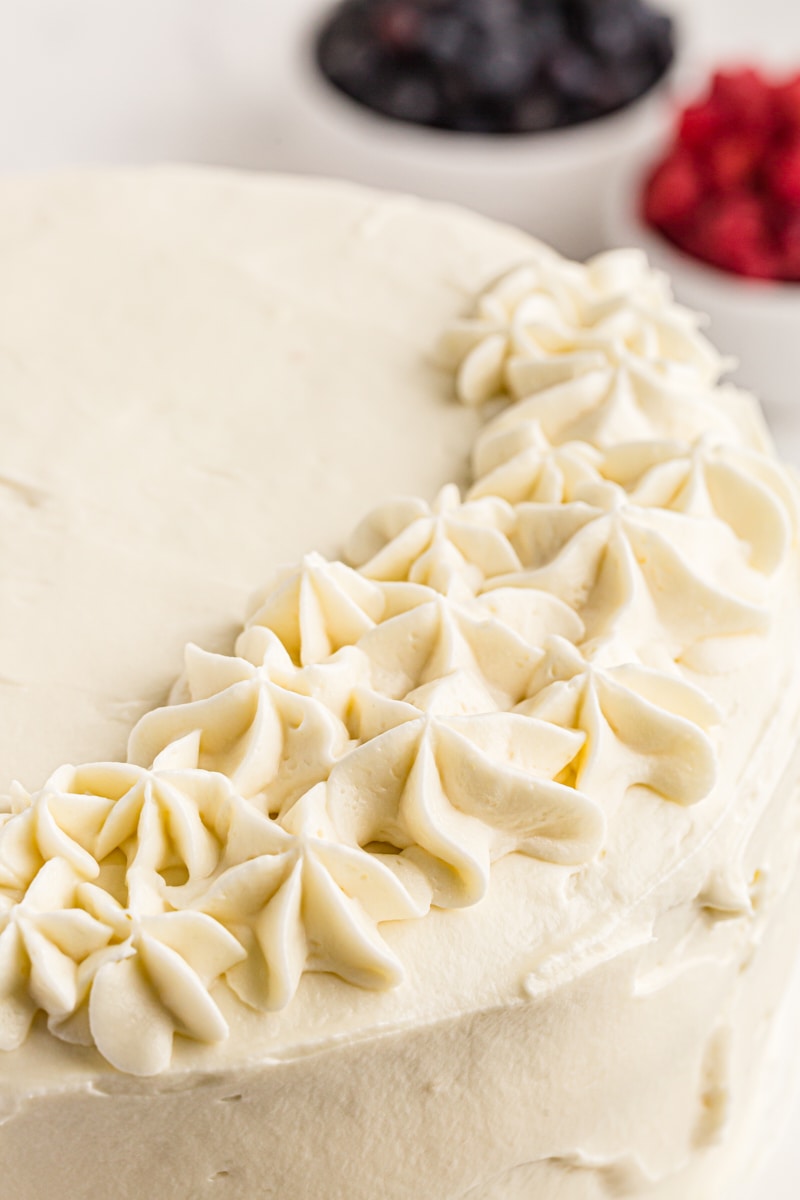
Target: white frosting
{"x":551,"y":705}
{"x":599,"y":353}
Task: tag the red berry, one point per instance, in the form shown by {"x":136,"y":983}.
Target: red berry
{"x":732,"y":160}
{"x":787,"y":103}
{"x":745,"y":96}
{"x":783,"y":175}
{"x":733,"y":231}
{"x":790,"y":249}
{"x":729,"y":192}
{"x":673,"y":191}
{"x":700,"y":124}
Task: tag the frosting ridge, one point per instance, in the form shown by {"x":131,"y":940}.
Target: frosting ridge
{"x":485,"y":675}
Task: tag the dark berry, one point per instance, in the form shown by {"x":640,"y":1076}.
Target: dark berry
{"x":495,"y":66}
{"x":398,"y":25}
{"x":411,"y":96}
{"x":609,"y":31}
{"x":537,"y":112}
{"x":445,"y":38}
{"x":503,"y":69}
{"x":575,"y":74}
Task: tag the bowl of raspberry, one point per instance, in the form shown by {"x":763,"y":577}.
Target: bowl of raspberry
{"x":719,"y":209}
{"x":520,"y":109}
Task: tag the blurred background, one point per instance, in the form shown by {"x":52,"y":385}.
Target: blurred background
{"x":216,"y":81}
{"x":235,"y":83}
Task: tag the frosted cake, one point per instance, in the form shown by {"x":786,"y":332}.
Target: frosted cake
{"x":459,"y":860}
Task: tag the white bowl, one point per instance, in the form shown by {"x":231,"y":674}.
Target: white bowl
{"x":549,"y":183}
{"x":757,"y":323}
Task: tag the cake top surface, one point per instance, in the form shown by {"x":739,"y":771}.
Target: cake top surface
{"x":189,"y":362}
{"x":480,"y":746}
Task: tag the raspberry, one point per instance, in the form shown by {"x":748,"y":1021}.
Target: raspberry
{"x":728,"y":191}
{"x":787,"y":100}
{"x":745,"y":96}
{"x":734,"y":232}
{"x":700,"y":124}
{"x":673,"y":191}
{"x":732,"y":160}
{"x":790,"y":249}
{"x":783,"y":175}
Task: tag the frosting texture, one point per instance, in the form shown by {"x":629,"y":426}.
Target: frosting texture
{"x":485,"y":675}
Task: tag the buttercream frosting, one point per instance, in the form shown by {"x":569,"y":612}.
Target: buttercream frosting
{"x":379,"y":737}
{"x":508,"y":764}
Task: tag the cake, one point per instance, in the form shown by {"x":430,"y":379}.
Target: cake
{"x":460,"y":861}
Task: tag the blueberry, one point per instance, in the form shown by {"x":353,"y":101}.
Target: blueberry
{"x":397,"y":24}
{"x":495,"y":66}
{"x":609,"y":36}
{"x":538,"y":111}
{"x":549,"y":29}
{"x":349,"y":61}
{"x":412,"y":96}
{"x":504,"y":68}
{"x":444,"y":38}
{"x":662,"y":40}
{"x":575,"y":74}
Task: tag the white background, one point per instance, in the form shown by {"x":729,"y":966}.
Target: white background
{"x":107,"y":81}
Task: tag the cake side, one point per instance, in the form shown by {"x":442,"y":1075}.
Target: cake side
{"x":554,"y":1098}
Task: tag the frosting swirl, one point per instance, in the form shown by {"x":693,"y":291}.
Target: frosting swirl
{"x":599,"y":353}
{"x":488,"y":676}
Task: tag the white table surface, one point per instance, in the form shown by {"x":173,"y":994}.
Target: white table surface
{"x":210,"y":81}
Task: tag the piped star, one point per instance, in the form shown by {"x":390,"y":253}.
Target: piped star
{"x":301,"y":900}
{"x":455,"y":793}
{"x":318,"y":607}
{"x":162,"y":820}
{"x":752,"y":494}
{"x":641,"y":726}
{"x":552,"y":323}
{"x":440,"y":637}
{"x":518,"y":464}
{"x":44,"y":937}
{"x":642,"y":574}
{"x":57,"y":822}
{"x":409,"y":540}
{"x":151,"y":982}
{"x":273,"y":729}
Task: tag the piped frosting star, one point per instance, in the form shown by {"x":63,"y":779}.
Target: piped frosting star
{"x":274,"y":729}
{"x":641,"y":726}
{"x":642,"y":574}
{"x":752,"y":494}
{"x":318,"y":607}
{"x":455,"y":793}
{"x":435,"y":544}
{"x":300,"y":899}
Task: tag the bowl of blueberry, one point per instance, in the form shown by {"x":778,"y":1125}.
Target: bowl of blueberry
{"x":718,"y":207}
{"x":520,"y":109}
